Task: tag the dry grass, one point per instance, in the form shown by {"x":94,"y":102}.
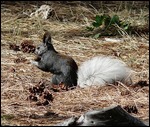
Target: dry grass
{"x":69,"y":39}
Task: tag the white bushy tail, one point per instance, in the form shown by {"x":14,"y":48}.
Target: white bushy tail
{"x":101,"y":70}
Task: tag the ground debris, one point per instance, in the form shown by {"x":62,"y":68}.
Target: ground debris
{"x":131,"y":109}
{"x":19,"y":60}
{"x":14,"y":47}
{"x":27,"y":46}
{"x":141,"y":83}
{"x":40,"y":94}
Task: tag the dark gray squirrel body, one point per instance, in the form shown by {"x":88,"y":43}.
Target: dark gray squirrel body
{"x":99,"y":70}
{"x":63,"y":67}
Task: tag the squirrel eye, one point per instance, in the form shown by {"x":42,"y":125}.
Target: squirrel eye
{"x":38,"y":47}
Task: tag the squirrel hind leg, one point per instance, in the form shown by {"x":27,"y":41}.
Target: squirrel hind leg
{"x":59,"y":81}
{"x":64,"y":82}
{"x":127,"y":81}
{"x":56,"y":79}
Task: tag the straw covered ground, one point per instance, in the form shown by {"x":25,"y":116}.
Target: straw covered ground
{"x":68,"y":28}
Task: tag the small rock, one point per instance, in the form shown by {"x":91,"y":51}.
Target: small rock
{"x":44,"y":12}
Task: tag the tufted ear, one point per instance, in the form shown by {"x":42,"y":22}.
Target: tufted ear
{"x":47,"y":38}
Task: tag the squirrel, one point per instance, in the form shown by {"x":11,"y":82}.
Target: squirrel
{"x":99,"y":70}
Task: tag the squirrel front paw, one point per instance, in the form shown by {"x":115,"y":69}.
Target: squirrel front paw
{"x":34,"y":62}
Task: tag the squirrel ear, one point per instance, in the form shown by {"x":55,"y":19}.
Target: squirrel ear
{"x":47,"y":37}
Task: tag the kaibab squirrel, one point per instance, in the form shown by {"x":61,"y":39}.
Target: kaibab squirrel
{"x":99,"y":70}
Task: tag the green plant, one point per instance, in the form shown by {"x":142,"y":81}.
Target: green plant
{"x":109,"y":24}
{"x":7,"y":116}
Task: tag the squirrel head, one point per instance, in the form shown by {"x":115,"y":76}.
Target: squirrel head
{"x":46,"y":45}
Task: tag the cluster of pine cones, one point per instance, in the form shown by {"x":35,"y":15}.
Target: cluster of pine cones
{"x":26,"y":46}
{"x":40,"y":95}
